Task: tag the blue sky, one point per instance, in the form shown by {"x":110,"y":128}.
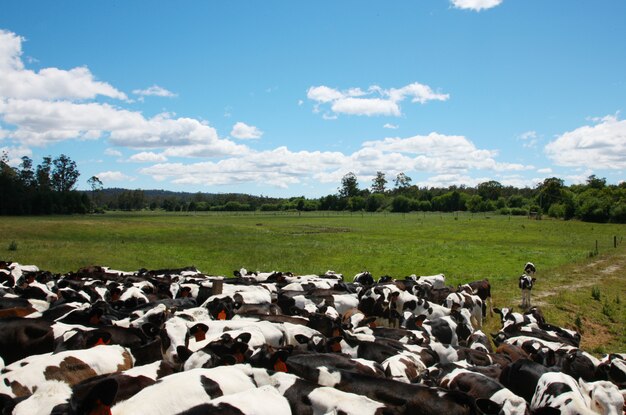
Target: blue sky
{"x":284,"y":98}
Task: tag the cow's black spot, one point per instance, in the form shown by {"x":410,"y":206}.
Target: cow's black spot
{"x":211,"y":387}
{"x":557,"y":388}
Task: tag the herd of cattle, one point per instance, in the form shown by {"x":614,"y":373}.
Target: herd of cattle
{"x":99,"y":341}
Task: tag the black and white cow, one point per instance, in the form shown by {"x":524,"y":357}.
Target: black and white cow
{"x":561,"y":391}
{"x":481,"y":386}
{"x":526,"y":283}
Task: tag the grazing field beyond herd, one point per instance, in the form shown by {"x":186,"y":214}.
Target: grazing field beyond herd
{"x":581,"y":267}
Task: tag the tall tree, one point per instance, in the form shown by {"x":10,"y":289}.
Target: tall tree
{"x":402,"y":181}
{"x":379,"y":183}
{"x":96,"y":186}
{"x":349,"y":185}
{"x":490,"y":190}
{"x":549,"y":192}
{"x":43,"y":174}
{"x":65,"y":174}
{"x":26,"y":173}
{"x":595,"y":182}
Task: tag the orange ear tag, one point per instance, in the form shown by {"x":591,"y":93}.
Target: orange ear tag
{"x":280,"y":366}
{"x":200,"y":335}
{"x":101,"y":342}
{"x":100,"y":409}
{"x":336,"y":347}
{"x":221,"y":315}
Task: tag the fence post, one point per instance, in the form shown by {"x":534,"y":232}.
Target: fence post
{"x":614,"y":241}
{"x":596,"y":247}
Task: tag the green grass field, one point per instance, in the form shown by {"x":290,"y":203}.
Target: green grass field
{"x":464,"y":247}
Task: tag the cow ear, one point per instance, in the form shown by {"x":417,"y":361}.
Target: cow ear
{"x":98,"y":338}
{"x":487,"y":407}
{"x":585,"y":388}
{"x":301,"y":338}
{"x":183,"y":353}
{"x":7,"y":403}
{"x":100,"y":398}
{"x":198,"y":327}
{"x":199,"y":331}
{"x":243,"y":338}
{"x":334,"y":344}
{"x":229,"y":360}
{"x":366,"y":321}
{"x":395,"y":294}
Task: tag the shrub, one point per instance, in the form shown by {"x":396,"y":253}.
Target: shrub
{"x":556,"y":210}
{"x":578,"y":322}
{"x":401,"y":204}
{"x":519,"y":212}
{"x":618,"y":213}
{"x":595,"y":293}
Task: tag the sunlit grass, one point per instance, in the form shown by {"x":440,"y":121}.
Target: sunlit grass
{"x":464,"y":247}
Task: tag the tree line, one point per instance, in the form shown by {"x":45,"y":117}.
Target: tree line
{"x":45,"y":189}
{"x":49,"y":189}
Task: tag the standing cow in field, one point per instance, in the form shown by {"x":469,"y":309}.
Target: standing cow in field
{"x":526,"y":282}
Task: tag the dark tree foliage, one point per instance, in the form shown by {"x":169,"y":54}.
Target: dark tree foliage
{"x":349,"y":185}
{"x":65,"y":174}
{"x":24,"y":191}
{"x":379,"y":183}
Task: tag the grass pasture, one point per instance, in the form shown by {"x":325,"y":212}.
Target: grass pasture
{"x":464,"y":247}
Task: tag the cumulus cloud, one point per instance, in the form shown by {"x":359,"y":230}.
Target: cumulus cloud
{"x":476,"y":5}
{"x":244,"y":131}
{"x":48,"y":83}
{"x":599,"y":146}
{"x":42,"y":122}
{"x":114,"y":176}
{"x":54,"y":105}
{"x":156,"y":91}
{"x":147,"y":157}
{"x":391,"y":126}
{"x":15,"y":154}
{"x":375,"y":101}
{"x":448,"y":158}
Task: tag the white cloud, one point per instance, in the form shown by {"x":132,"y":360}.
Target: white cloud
{"x":323,"y":94}
{"x":476,"y":5}
{"x":391,"y":126}
{"x":112,"y":152}
{"x":244,"y":131}
{"x":114,"y":176}
{"x":599,"y":146}
{"x":48,"y":83}
{"x":373,"y":102}
{"x":449,"y":158}
{"x":156,"y":91}
{"x":15,"y":154}
{"x":546,"y":170}
{"x":366,"y":106}
{"x":147,"y":157}
{"x":529,"y":138}
{"x":41,"y":122}
{"x":528,"y":135}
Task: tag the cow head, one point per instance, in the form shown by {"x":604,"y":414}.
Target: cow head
{"x":605,"y":397}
